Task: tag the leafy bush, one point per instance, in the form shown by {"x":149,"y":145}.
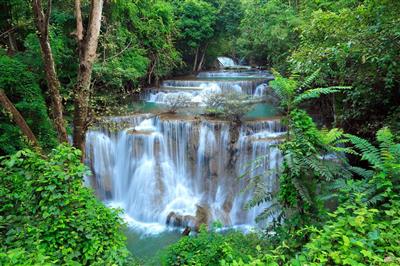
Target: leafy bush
{"x":209,"y":248}
{"x":45,"y":209}
{"x":176,"y":101}
{"x":232,"y":106}
{"x":357,"y":235}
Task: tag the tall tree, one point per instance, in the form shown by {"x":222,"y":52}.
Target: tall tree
{"x":42,"y":25}
{"x":87,"y":47}
{"x":196,"y":22}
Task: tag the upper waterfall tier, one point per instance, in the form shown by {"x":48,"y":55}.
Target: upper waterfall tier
{"x":250,"y":82}
{"x":227,"y":74}
{"x":179,"y":171}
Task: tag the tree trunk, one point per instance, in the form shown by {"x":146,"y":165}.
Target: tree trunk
{"x":195,"y":60}
{"x":42,"y":26}
{"x":202,"y":59}
{"x":151,"y":71}
{"x":87,"y":46}
{"x":19,"y":120}
{"x":12,"y":44}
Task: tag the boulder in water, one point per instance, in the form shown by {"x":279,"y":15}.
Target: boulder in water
{"x":203,"y":216}
{"x":178,"y":220}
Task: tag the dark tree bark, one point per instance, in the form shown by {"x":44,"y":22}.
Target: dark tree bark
{"x":199,"y":68}
{"x":19,"y":121}
{"x":196,"y":59}
{"x":42,"y":26}
{"x":87,"y":46}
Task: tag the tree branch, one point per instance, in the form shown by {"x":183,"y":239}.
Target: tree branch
{"x":19,"y":121}
{"x":47,"y":18}
{"x":79,"y":23}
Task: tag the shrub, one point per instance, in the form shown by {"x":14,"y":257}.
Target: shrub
{"x":209,"y":248}
{"x":45,"y":209}
{"x":176,"y":101}
{"x":232,"y":106}
{"x":357,"y":235}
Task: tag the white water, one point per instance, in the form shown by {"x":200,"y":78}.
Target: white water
{"x":226,"y":61}
{"x":195,"y":91}
{"x":153,"y":167}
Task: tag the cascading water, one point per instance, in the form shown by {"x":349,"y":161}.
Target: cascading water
{"x":252,"y":83}
{"x":157,"y":168}
{"x":165,"y":170}
{"x":226,"y":62}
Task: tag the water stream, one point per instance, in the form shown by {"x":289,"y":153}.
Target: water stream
{"x":172,"y":171}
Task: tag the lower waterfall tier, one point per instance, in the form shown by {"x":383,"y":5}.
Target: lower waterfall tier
{"x":167,"y":172}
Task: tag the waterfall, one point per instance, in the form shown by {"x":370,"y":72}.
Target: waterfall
{"x":226,"y":62}
{"x":196,"y":90}
{"x":167,"y":169}
{"x":225,"y":74}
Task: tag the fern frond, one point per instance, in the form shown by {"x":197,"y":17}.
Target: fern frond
{"x":310,"y":79}
{"x":338,"y":184}
{"x":331,"y":136}
{"x":369,"y":152}
{"x":362,"y":172}
{"x":272,"y":211}
{"x":260,"y":196}
{"x":374,"y":200}
{"x":293,"y":163}
{"x":319,"y":167}
{"x":395,"y":150}
{"x":302,"y":190}
{"x":385,"y":138}
{"x":317,"y":92}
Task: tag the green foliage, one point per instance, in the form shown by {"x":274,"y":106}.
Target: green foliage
{"x":47,"y":215}
{"x":353,"y":42}
{"x":356,"y":235}
{"x":292,"y":94}
{"x":268,"y":32}
{"x":312,"y":157}
{"x":363,"y":230}
{"x":211,"y":248}
{"x":20,"y":85}
{"x":196,"y":22}
{"x":385,"y":163}
{"x":21,"y":257}
{"x":139,"y":40}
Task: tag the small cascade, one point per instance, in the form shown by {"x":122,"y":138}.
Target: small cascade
{"x":195,"y":96}
{"x":226,"y":74}
{"x":226,"y":62}
{"x":195,"y":90}
{"x":181,"y":172}
{"x":261,"y":90}
{"x":247,"y":86}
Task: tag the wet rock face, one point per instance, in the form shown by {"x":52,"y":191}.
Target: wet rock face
{"x":177,"y":220}
{"x":203,"y":215}
{"x":201,"y":158}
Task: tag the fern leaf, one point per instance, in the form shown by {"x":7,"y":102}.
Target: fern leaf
{"x":316,"y":93}
{"x":302,"y":190}
{"x":362,"y":172}
{"x":272,"y":211}
{"x":309,"y":80}
{"x":369,"y":152}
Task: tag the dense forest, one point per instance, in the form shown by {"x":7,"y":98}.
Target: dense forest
{"x":65,"y":65}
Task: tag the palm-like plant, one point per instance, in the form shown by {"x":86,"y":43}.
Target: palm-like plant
{"x":312,"y":157}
